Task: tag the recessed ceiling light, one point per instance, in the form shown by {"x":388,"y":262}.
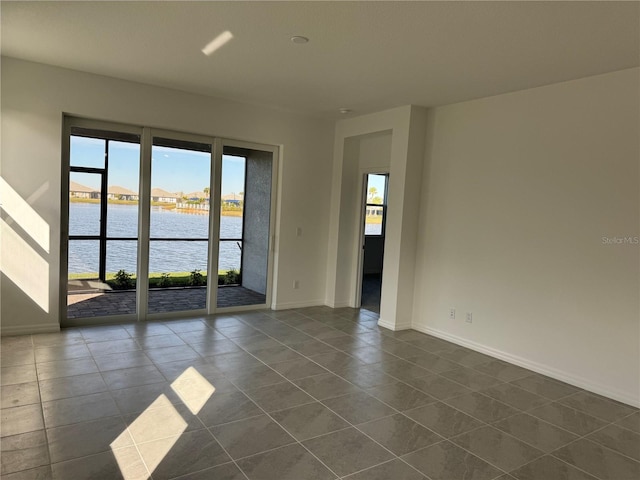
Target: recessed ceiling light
{"x":217,"y":42}
{"x":299,"y":39}
{"x":344,"y":111}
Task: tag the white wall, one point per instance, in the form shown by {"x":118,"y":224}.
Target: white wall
{"x":34,"y":98}
{"x":518,"y":191}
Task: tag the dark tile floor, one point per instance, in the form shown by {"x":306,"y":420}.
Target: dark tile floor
{"x":304,"y":394}
{"x":88,"y":305}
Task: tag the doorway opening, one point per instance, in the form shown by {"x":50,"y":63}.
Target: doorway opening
{"x":375,"y":214}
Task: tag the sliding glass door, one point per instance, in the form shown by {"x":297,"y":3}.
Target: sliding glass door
{"x":163,"y":224}
{"x":179,"y":225}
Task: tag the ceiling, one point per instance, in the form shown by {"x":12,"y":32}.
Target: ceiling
{"x":365,"y":56}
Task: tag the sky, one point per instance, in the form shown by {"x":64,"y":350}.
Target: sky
{"x":172,"y":169}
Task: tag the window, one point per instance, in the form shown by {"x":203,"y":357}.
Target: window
{"x":376,"y":204}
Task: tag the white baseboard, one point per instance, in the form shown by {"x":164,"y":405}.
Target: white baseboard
{"x":336,"y":304}
{"x":290,"y":305}
{"x":549,"y":371}
{"x":393,"y":326}
{"x":7,"y":331}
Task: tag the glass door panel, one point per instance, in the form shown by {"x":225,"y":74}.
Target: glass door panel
{"x":103,"y":223}
{"x":178,"y":225}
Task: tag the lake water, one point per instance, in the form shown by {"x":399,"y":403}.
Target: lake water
{"x":122,"y":221}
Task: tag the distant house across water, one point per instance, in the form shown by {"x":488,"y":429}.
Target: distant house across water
{"x":120,"y":193}
{"x":233,"y":198}
{"x":76,"y":190}
{"x":162,"y":196}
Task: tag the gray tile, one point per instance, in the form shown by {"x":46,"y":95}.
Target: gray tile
{"x":358,"y":407}
{"x":367,"y":376}
{"x":550,"y":468}
{"x":312,"y":347}
{"x":138,"y":399}
{"x":395,"y":469}
{"x":40,"y":473}
{"x":12,"y":358}
{"x":497,"y":448}
{"x":19,"y":394}
{"x":568,"y":418}
{"x":515,"y":396}
{"x":433,"y":363}
{"x":181,"y":326}
{"x":336,"y":361}
{"x":118,"y":361}
{"x":24,"y":451}
{"x":276,"y":354}
{"x":310,"y":420}
{"x":503,"y":371}
{"x":482,"y":407}
{"x":161,"y":420}
{"x":619,"y":439}
{"x":295,"y":369}
{"x":446,"y":461}
{"x":597,"y":406}
{"x":466,"y":357}
{"x":234,"y":362}
{"x":132,"y":377}
{"x":292,"y":462}
{"x":206,"y":335}
{"x":371,"y":354}
{"x":632,"y":422}
{"x":443,"y":419}
{"x":66,"y":387}
{"x":182,"y":454}
{"x":174,"y":370}
{"x":104,"y":334}
{"x":251,"y":436}
{"x":228,"y":471}
{"x":67,"y":336}
{"x":250,"y":378}
{"x":66,"y":368}
{"x":121,"y":463}
{"x":171,"y":354}
{"x":471,"y":378}
{"x":147,"y":329}
{"x":545,"y":386}
{"x":278,"y":396}
{"x":87,"y":438}
{"x":78,"y":409}
{"x":347,"y":451}
{"x":600,"y":462}
{"x":399,"y":434}
{"x":438,"y":387}
{"x":113,"y":346}
{"x":24,"y":419}
{"x":400,"y":396}
{"x":325,"y":386}
{"x":17,"y":374}
{"x":61,"y":352}
{"x":215,"y":347}
{"x":227,"y":407}
{"x":403,"y":370}
{"x":159,"y":341}
{"x":535,"y":432}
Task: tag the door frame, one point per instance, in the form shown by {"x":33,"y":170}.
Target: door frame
{"x":361,"y":237}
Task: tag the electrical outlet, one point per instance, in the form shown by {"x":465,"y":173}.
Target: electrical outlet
{"x":469,"y":317}
{"x":296,"y":284}
{"x":452,"y":314}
